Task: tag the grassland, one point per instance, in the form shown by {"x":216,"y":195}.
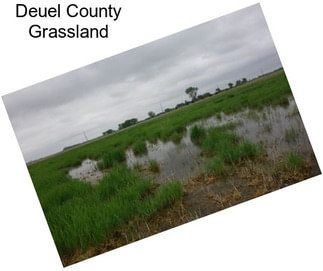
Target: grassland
{"x":80,"y":215}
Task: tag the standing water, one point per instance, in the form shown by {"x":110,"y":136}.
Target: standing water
{"x":279,"y":129}
{"x":87,"y":171}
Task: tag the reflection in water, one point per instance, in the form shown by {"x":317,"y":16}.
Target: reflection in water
{"x":179,"y":162}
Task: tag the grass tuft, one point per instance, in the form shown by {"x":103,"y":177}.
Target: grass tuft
{"x":112,"y":157}
{"x":140,"y":147}
{"x":153,"y":166}
{"x":198,"y":134}
{"x":250,"y":150}
{"x":176,"y":137}
{"x":294,"y":161}
{"x":168,"y":194}
{"x":216,"y":166}
{"x":218,"y":116}
{"x":226,"y":145}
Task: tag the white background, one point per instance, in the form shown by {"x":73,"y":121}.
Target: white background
{"x":279,"y":231}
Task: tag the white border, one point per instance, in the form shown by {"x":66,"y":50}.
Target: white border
{"x":279,"y":231}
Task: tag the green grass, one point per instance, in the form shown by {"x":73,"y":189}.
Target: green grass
{"x":100,"y":165}
{"x":167,"y":194}
{"x":176,"y":137}
{"x":112,"y":157}
{"x":250,"y":150}
{"x":80,"y":215}
{"x":198,"y":134}
{"x":216,"y":165}
{"x":218,"y":139}
{"x":294,"y":161}
{"x":153,"y":166}
{"x":224,"y":144}
{"x":140,"y":147}
{"x":218,"y":116}
{"x":283,"y":101}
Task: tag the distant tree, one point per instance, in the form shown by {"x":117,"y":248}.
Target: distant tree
{"x":230,"y":85}
{"x":192,"y":92}
{"x":207,"y":94}
{"x":217,"y":90}
{"x":128,"y":123}
{"x":238,"y":83}
{"x":244,"y":80}
{"x":151,"y":114}
{"x":110,"y":131}
{"x":179,"y":105}
{"x":168,"y":110}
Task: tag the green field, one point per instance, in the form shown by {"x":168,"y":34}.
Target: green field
{"x":81,"y":215}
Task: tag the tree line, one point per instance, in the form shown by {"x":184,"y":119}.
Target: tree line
{"x":191,"y":92}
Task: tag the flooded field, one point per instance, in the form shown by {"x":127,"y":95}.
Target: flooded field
{"x":173,"y":168}
{"x":287,"y":159}
{"x":279,"y":130}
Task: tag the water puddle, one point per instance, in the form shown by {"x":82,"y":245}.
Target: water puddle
{"x":176,"y":162}
{"x":86,"y":172}
{"x":279,"y":129}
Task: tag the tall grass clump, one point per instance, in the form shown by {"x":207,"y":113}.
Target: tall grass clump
{"x":218,"y":139}
{"x":216,"y":166}
{"x":176,"y":137}
{"x":119,"y":177}
{"x":153,"y":166}
{"x":226,"y":145}
{"x":173,"y":132}
{"x":198,"y":134}
{"x":250,"y":150}
{"x":140,"y":147}
{"x":283,"y":101}
{"x":167,"y":194}
{"x":294,"y":161}
{"x":112,"y":157}
{"x":87,"y":219}
{"x":218,"y":116}
{"x":64,"y":192}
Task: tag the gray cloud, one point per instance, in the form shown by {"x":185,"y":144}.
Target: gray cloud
{"x":53,"y":114}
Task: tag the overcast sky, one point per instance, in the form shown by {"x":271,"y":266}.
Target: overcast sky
{"x":51,"y":115}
